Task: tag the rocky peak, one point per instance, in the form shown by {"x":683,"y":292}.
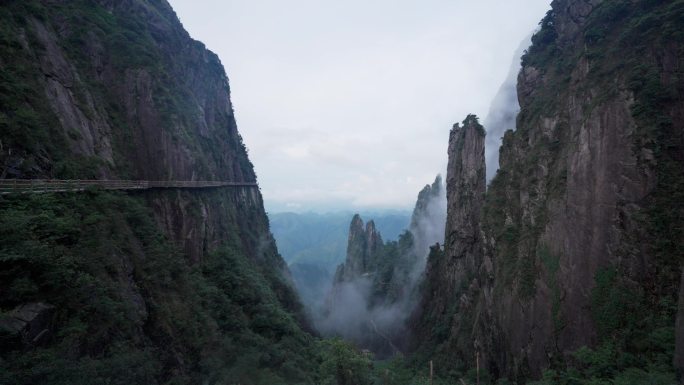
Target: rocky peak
{"x":373,"y":239}
{"x":356,"y":230}
{"x":363,"y":245}
{"x":466,"y":185}
{"x":451,"y":283}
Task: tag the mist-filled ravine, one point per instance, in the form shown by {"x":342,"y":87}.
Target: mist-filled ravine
{"x":373,"y":289}
{"x":383,"y":193}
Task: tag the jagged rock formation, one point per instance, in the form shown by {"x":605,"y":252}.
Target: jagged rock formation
{"x":314,"y":245}
{"x":360,"y":293}
{"x":465,"y":190}
{"x":375,"y":289}
{"x":190,"y":285}
{"x":363,"y":249}
{"x":576,"y":233}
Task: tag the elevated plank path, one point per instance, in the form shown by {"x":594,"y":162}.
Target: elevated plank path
{"x":13,"y":186}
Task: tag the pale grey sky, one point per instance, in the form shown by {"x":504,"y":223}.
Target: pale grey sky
{"x":348,"y":104}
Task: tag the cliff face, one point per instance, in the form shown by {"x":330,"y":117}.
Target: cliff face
{"x":118,"y":90}
{"x":577,"y":227}
{"x":449,"y":271}
{"x":121,"y":90}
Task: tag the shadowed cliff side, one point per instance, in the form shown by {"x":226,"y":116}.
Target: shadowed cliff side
{"x":581,"y":227}
{"x":185,"y":285}
{"x":451,"y":273}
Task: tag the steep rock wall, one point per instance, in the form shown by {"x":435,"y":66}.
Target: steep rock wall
{"x":119,"y":90}
{"x":578,"y":224}
{"x":450,"y":273}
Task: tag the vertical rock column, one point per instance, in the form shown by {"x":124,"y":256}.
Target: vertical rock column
{"x":451,"y":276}
{"x":465,"y":193}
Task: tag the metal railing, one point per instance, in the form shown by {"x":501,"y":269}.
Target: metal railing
{"x":8,"y":186}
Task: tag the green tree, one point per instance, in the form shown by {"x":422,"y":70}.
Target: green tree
{"x":343,"y":364}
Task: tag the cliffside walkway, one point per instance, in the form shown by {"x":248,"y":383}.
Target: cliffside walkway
{"x":14,"y":186}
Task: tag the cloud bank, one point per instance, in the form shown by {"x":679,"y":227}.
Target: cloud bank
{"x":348,"y":105}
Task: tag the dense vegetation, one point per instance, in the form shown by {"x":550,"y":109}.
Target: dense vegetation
{"x":219,"y":321}
{"x":129,"y":302}
{"x":128,"y":306}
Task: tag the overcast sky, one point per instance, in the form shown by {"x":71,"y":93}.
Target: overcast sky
{"x":348,"y":104}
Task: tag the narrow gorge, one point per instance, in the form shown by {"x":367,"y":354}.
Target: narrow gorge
{"x":554,"y":255}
